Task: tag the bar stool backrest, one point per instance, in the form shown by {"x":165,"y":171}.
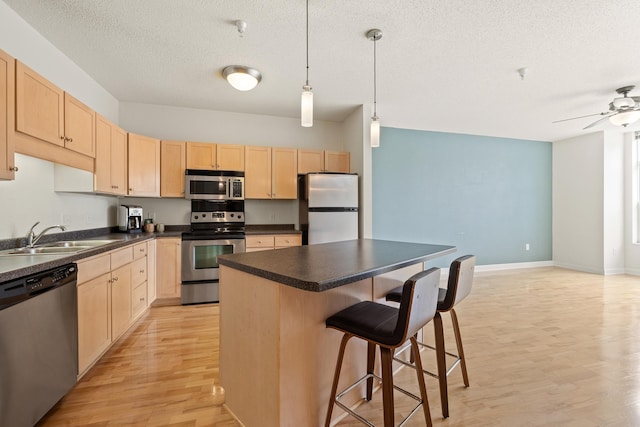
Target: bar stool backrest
{"x":460,"y":281}
{"x":418,"y":305}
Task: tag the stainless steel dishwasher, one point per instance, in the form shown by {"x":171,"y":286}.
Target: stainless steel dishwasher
{"x":38,"y":344}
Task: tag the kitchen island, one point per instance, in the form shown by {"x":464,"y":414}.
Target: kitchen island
{"x":276,"y":356}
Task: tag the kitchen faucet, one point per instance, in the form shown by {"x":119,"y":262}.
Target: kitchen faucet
{"x":31,"y":237}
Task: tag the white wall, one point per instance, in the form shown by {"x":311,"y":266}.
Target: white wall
{"x":578,"y":194}
{"x":613,"y":203}
{"x":30,"y":198}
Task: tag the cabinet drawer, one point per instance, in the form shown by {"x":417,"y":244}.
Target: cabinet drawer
{"x":121,"y":257}
{"x":138,"y":271}
{"x":139,"y":250}
{"x":93,"y":267}
{"x":259,"y":241}
{"x":139,"y":299}
{"x":286,"y":240}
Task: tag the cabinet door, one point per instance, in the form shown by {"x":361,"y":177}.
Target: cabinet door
{"x":120,"y":300}
{"x":257,"y":174}
{"x":337,"y":161}
{"x":172,"y":166}
{"x":201,"y":155}
{"x":102,"y":174}
{"x":7,"y":86}
{"x":230,"y":157}
{"x":94,"y":320}
{"x":79,"y":122}
{"x":144,"y":166}
{"x":284,"y":173}
{"x":310,"y":161}
{"x":168,"y":268}
{"x":118,"y":160}
{"x":39,"y":106}
{"x":151,"y":271}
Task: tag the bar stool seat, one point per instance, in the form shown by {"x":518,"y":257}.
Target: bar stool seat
{"x":458,"y":287}
{"x":388,"y":328}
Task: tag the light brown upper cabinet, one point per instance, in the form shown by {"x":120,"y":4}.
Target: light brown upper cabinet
{"x":172,"y":165}
{"x":202,"y":155}
{"x":7,"y":87}
{"x":45,"y":112}
{"x":144,"y":166}
{"x":323,"y":161}
{"x":270,"y":173}
{"x":111,"y":158}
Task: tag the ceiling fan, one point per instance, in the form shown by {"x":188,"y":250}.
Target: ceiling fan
{"x":623,"y":110}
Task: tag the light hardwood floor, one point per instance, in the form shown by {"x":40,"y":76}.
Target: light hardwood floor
{"x":544,"y":347}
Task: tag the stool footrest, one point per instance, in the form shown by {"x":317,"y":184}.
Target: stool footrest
{"x":431,"y":374}
{"x":360,"y":417}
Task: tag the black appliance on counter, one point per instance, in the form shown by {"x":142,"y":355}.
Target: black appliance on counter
{"x":217,"y":228}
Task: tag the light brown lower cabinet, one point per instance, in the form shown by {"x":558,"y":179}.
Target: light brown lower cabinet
{"x":112,"y":294}
{"x":262,"y":242}
{"x":168,"y":267}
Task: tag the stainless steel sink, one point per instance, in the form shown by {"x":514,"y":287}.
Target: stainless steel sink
{"x":59,"y":248}
{"x":77,"y":244}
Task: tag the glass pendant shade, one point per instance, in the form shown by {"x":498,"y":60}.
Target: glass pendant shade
{"x":242,"y":78}
{"x":375,"y":132}
{"x":306,"y":107}
{"x":625,"y":118}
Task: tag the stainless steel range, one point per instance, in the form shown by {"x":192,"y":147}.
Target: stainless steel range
{"x":217,"y":228}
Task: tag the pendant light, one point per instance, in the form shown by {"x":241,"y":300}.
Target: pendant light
{"x":306,"y":101}
{"x":374,"y":35}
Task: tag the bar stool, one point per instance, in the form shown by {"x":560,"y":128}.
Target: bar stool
{"x":387,"y":327}
{"x":458,"y":287}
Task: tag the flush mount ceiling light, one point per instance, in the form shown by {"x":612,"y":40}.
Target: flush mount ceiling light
{"x":306,"y":101}
{"x":374,"y":35}
{"x":242,"y":77}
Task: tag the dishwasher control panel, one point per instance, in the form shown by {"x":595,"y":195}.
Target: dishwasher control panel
{"x":16,"y":290}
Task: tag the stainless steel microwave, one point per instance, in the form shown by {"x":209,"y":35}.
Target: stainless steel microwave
{"x":213,"y":185}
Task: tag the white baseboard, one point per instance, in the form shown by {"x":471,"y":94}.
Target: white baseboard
{"x":513,"y":266}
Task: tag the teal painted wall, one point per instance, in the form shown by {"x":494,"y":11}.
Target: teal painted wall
{"x":488,"y":196}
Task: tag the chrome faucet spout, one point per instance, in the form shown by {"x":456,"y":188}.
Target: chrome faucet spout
{"x":32,"y":239}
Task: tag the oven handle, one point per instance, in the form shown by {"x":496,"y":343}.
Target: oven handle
{"x":231,"y":236}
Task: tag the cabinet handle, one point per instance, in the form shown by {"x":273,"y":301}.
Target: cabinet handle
{"x":131,"y":189}
{"x":62,"y":137}
{"x":141,"y":299}
{"x":141,"y":271}
{"x":115,"y":279}
{"x":70,"y":139}
{"x":13,"y":168}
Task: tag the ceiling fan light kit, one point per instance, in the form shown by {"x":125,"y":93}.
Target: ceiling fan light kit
{"x":241,"y":77}
{"x":623,"y":110}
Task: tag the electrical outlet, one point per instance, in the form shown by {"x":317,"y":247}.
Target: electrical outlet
{"x":526,"y":247}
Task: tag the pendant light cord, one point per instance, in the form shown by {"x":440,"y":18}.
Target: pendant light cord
{"x":374,"y":78}
{"x":307,"y":43}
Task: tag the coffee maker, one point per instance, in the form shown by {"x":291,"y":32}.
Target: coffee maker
{"x":130,"y":219}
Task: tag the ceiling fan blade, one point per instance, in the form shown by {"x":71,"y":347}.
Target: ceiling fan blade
{"x":580,"y":117}
{"x":598,"y":121}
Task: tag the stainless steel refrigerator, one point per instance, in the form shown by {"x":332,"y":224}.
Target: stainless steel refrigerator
{"x":328,"y":207}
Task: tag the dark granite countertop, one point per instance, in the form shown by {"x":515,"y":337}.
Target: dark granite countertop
{"x":321,"y":267}
{"x":257,"y":229}
{"x":15,"y":266}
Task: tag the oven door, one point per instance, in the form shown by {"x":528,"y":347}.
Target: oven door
{"x":200,"y":256}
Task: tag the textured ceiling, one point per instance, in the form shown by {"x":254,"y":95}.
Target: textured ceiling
{"x":442,"y":65}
